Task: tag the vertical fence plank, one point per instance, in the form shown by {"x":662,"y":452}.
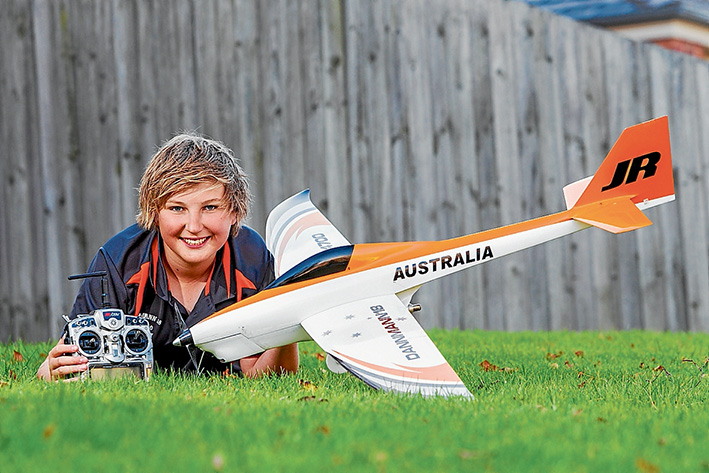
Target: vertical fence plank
{"x":244,"y":76}
{"x":574,"y":309}
{"x":509,"y":284}
{"x":484,"y":153}
{"x":335,"y":157}
{"x":454,"y":145}
{"x":54,"y":130}
{"x":650,"y":247}
{"x":6,"y":92}
{"x":292,"y":156}
{"x":552,"y":62}
{"x":673,"y":313}
{"x":437,"y":22}
{"x":469,"y":308}
{"x":311,"y":64}
{"x":532,"y":311}
{"x":365,"y":77}
{"x":598,"y":307}
{"x":692,"y":192}
{"x":623,"y":88}
{"x":129,"y":161}
{"x":273,"y":126}
{"x":20,"y":109}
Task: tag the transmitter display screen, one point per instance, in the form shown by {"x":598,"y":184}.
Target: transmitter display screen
{"x":118,"y":372}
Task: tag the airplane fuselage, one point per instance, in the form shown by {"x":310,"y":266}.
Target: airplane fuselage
{"x":273,"y":317}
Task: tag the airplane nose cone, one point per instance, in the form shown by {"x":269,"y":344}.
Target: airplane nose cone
{"x":184,"y":339}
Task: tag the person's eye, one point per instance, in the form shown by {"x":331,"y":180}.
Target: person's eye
{"x":211,"y":208}
{"x":175,"y":208}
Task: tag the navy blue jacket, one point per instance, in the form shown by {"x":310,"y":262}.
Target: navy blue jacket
{"x":137,"y":284}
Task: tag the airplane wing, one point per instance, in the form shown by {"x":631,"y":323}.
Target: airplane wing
{"x":379,"y":341}
{"x":296,"y":230}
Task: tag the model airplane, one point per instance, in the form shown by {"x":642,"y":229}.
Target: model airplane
{"x":354,"y":300}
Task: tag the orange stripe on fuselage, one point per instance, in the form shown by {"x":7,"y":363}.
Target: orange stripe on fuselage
{"x":371,"y":255}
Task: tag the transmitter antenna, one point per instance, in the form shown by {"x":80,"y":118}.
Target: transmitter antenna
{"x":104,"y":284}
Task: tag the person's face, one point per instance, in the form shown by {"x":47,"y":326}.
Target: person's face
{"x":194,"y":225}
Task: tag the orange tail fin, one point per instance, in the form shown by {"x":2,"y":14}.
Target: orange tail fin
{"x":637,"y":170}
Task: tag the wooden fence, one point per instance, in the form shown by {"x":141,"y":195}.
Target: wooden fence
{"x":408,"y":119}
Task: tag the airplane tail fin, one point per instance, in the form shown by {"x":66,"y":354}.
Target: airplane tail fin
{"x":636,"y":174}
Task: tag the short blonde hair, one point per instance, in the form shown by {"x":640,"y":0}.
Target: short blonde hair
{"x":183,"y":162}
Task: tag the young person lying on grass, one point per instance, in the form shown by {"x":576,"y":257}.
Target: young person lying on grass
{"x":187,"y":257}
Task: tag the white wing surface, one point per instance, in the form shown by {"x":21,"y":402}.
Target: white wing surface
{"x":381,"y":343}
{"x":296,"y":230}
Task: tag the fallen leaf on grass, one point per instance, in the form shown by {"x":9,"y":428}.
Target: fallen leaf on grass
{"x":48,"y":430}
{"x":323,"y":429}
{"x":487,"y":366}
{"x":320,"y":356}
{"x":553,"y":356}
{"x":578,"y":353}
{"x":312,"y":398}
{"x":17,"y":356}
{"x":646,"y":466}
{"x":307,"y":385}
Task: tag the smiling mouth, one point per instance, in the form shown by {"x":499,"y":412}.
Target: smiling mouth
{"x":195,"y":242}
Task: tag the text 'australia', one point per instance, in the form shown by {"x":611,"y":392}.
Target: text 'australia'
{"x":442,"y":263}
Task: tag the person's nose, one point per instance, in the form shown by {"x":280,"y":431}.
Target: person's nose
{"x":194,"y":223}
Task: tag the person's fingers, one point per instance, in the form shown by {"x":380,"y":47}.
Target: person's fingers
{"x":65,"y":370}
{"x":61,"y":348}
{"x":62,"y":362}
{"x":59,"y":351}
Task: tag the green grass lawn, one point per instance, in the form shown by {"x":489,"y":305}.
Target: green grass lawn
{"x":548,"y":402}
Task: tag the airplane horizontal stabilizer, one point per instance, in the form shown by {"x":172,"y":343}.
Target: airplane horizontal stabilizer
{"x":617,"y":215}
{"x":379,"y":341}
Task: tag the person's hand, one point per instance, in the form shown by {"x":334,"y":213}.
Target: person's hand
{"x":60,"y":363}
{"x":281,"y":360}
